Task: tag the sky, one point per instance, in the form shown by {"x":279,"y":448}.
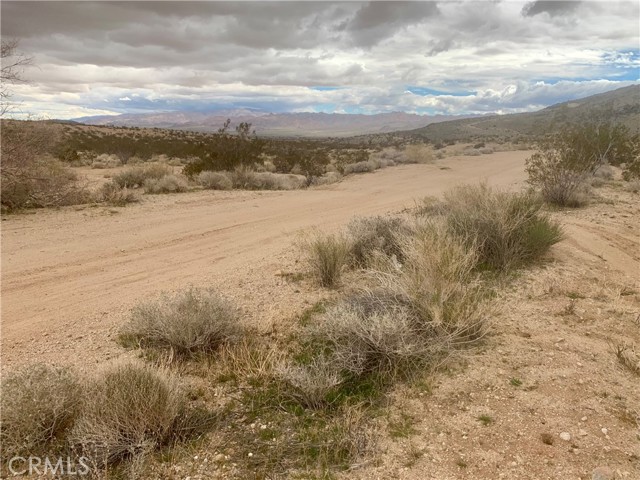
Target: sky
{"x":448,"y":57}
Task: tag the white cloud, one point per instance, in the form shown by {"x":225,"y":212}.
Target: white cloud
{"x":493,"y":56}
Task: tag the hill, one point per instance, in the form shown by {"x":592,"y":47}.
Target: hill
{"x":275,"y":124}
{"x":621,"y":105}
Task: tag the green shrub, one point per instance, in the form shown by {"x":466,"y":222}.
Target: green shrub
{"x":135,"y":176}
{"x":327,"y":256}
{"x":186,"y":323}
{"x":566,"y":160}
{"x":509,"y":229}
{"x":215,"y":180}
{"x":39,"y":405}
{"x":166,"y":184}
{"x":128,"y":411}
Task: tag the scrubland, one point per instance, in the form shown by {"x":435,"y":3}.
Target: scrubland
{"x":431,"y":325}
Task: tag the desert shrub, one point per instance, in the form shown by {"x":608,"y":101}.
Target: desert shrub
{"x":327,"y":256}
{"x":565,"y":161}
{"x":135,"y":177}
{"x":215,"y":180}
{"x":416,"y":154}
{"x":486,"y":150}
{"x":509,"y":229}
{"x":327,"y":179}
{"x":633,"y":186}
{"x":113,"y":194}
{"x":277,"y":181}
{"x":375,"y":234}
{"x":185,"y":323}
{"x":166,"y":184}
{"x":311,"y":384}
{"x":39,"y":405}
{"x":31,"y":179}
{"x":106,"y":161}
{"x":604,"y":172}
{"x":365,"y":341}
{"x":631,"y":166}
{"x":438,"y":281}
{"x":471,"y":152}
{"x":359,"y":167}
{"x":128,"y":411}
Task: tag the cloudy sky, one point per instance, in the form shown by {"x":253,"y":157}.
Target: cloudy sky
{"x":443,"y":57}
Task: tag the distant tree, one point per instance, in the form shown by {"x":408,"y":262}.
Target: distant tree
{"x":13,"y":65}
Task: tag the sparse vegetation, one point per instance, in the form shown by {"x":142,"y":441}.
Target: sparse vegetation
{"x":327,"y":256}
{"x":371,"y":235}
{"x":128,"y":411}
{"x":135,"y":177}
{"x":508,"y":229}
{"x":215,"y":180}
{"x":166,"y":184}
{"x":39,"y":405}
{"x":185,"y":324}
{"x":113,"y":194}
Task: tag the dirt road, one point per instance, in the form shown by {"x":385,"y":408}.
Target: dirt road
{"x":73,"y":271}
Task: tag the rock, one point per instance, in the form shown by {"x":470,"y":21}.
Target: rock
{"x":582,"y":433}
{"x":566,"y":436}
{"x":605,"y":431}
{"x":602,"y":473}
{"x":219,"y":458}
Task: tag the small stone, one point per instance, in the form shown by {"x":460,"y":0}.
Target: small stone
{"x":219,"y":458}
{"x":602,"y":473}
{"x":604,"y":431}
{"x":582,"y":433}
{"x":584,"y":419}
{"x":249,"y":454}
{"x":566,"y":436}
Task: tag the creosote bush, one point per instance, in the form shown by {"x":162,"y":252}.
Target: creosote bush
{"x":128,"y":411}
{"x":508,"y":229}
{"x":39,"y":405}
{"x":186,"y":323}
{"x":112,"y":194}
{"x":327,"y":256}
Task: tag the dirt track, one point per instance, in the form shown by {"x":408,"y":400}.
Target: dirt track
{"x":69,"y":269}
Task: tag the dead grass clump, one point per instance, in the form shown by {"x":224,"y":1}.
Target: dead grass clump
{"x":135,"y":177}
{"x":376,"y":234}
{"x":327,"y":256}
{"x":128,"y":411}
{"x":112,"y":194}
{"x":39,"y":405}
{"x":310,"y":384}
{"x":215,"y":180}
{"x":416,"y":154}
{"x":185,"y":324}
{"x":508,"y":229}
{"x":628,"y":358}
{"x":167,"y":184}
{"x":438,"y":280}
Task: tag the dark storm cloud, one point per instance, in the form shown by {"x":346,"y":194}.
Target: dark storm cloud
{"x":553,"y":8}
{"x":377,"y":21}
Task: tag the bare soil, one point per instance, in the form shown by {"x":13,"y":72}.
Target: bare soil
{"x":70,"y":276}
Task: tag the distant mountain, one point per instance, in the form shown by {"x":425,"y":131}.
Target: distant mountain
{"x":275,"y":124}
{"x":621,"y":106}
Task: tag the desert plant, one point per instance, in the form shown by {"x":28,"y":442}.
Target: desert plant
{"x":186,"y":323}
{"x":509,"y":229}
{"x":376,"y":234}
{"x":30,"y":179}
{"x":566,"y":160}
{"x":135,"y":176}
{"x":310,"y":384}
{"x":360,"y":167}
{"x":112,"y":194}
{"x":166,"y":184}
{"x":327,"y":256}
{"x":215,"y":180}
{"x":128,"y":410}
{"x":39,"y":405}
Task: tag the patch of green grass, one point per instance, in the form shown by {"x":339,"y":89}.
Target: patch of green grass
{"x":461,"y":463}
{"x":575,"y":295}
{"x":307,"y":315}
{"x":485,"y":419}
{"x":516,"y":382}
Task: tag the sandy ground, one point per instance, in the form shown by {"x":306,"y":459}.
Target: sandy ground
{"x":69,"y":276}
{"x":549,"y":368}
